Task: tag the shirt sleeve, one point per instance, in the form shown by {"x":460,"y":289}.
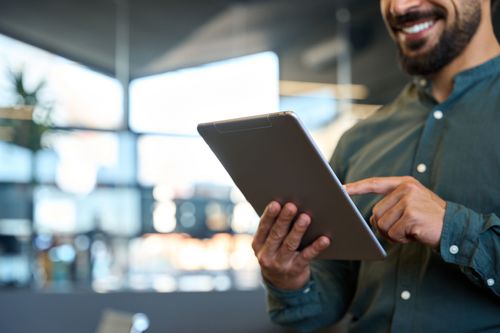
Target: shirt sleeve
{"x":323,"y":301}
{"x":472,"y":240}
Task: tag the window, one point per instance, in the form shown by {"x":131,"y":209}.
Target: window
{"x":176,"y":102}
{"x":77,"y":95}
{"x":149,"y":208}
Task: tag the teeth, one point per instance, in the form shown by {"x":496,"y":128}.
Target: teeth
{"x":418,"y":27}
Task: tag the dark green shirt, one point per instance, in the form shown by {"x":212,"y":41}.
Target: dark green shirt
{"x":453,"y":148}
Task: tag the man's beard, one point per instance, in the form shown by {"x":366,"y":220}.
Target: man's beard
{"x":450,"y":45}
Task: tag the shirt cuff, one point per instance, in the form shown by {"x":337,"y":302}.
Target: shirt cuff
{"x":459,"y":237}
{"x":306,"y":294}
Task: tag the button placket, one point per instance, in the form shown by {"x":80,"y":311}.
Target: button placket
{"x":407,"y":282}
{"x":427,"y":146}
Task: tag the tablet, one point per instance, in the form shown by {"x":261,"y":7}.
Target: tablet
{"x":272,"y":157}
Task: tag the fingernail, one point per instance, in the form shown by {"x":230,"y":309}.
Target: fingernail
{"x":290,"y":209}
{"x":271,"y":208}
{"x":302,"y":222}
{"x":325,"y":241}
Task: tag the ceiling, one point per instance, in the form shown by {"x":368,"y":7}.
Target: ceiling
{"x":165,"y":35}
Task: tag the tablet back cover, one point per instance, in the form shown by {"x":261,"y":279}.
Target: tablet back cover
{"x":272,"y":157}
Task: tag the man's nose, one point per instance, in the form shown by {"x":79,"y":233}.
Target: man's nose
{"x":401,"y":7}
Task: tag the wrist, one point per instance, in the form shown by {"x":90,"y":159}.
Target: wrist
{"x":287,"y":283}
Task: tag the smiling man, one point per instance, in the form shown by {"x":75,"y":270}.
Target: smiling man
{"x":425,"y":172}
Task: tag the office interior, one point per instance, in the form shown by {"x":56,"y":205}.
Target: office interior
{"x":115,"y":216}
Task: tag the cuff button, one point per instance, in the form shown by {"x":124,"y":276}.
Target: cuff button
{"x":454,"y":249}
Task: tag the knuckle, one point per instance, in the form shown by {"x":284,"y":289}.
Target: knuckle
{"x":275,"y":234}
{"x":409,"y":179}
{"x":301,"y":227}
{"x":254,"y":246}
{"x":283,"y":268}
{"x":290,"y":245}
{"x":406,"y":201}
{"x":409,"y":214}
{"x":264,"y":261}
{"x":305,"y":255}
{"x":415,"y":231}
{"x":392,"y":233}
{"x":376,"y":211}
{"x":317,"y":247}
{"x":372,"y":183}
{"x":409,"y":186}
{"x":381,"y":225}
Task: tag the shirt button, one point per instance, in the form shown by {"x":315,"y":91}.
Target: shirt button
{"x":422,"y":82}
{"x":438,"y":114}
{"x":490,"y":282}
{"x":307,"y":290}
{"x":405,"y":295}
{"x":454,"y":249}
{"x":421,"y":168}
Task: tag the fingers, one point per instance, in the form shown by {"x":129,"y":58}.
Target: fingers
{"x":294,"y":237}
{"x":313,"y":250}
{"x":280,"y":228}
{"x":402,"y":192}
{"x":275,"y":238}
{"x":399,"y":232}
{"x":265,"y":224}
{"x":378,"y":185}
{"x":390,"y":217}
{"x":276,"y":244}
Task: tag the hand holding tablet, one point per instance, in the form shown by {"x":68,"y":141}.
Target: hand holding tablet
{"x":276,"y":246}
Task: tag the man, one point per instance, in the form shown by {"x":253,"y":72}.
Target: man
{"x":425,"y":172}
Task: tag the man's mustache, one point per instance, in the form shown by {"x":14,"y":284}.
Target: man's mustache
{"x":398,"y":22}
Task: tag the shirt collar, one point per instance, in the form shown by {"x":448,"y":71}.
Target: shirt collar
{"x":463,"y":79}
{"x":490,"y":67}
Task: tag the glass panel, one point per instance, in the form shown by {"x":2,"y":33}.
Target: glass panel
{"x":102,"y":210}
{"x":178,"y":162}
{"x":176,"y":102}
{"x":79,"y":160}
{"x":15,"y":165}
{"x":15,"y":204}
{"x":77,"y":95}
{"x":178,"y":262}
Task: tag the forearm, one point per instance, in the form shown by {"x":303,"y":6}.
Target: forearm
{"x":472,"y":241}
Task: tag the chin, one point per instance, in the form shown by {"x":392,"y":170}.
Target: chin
{"x":416,"y":51}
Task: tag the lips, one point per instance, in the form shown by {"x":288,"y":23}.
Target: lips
{"x":416,"y":32}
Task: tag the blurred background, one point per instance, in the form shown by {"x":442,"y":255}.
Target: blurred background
{"x":108,"y":196}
